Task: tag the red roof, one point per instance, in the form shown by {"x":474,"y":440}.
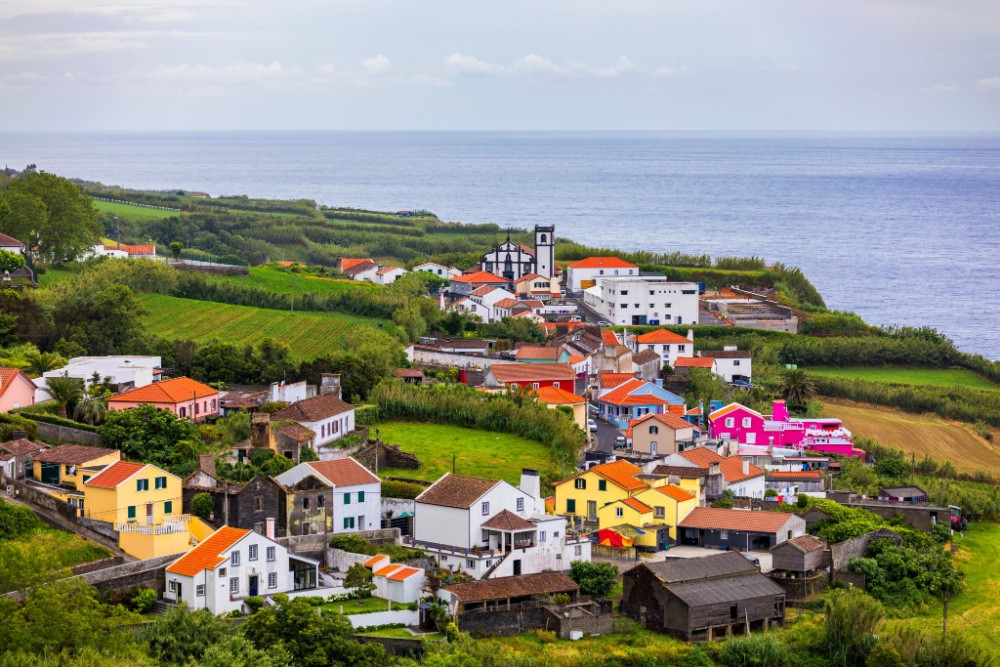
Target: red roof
{"x":609,"y":337}
{"x":743,"y":520}
{"x":352,"y":262}
{"x":602,"y":263}
{"x":638,"y":506}
{"x":7,"y":376}
{"x":701,"y":456}
{"x":9,"y":241}
{"x":675,"y":492}
{"x":661,"y":337}
{"x":732,"y":470}
{"x":620,"y":472}
{"x":530,"y":276}
{"x":557,"y":396}
{"x":116,"y":473}
{"x":539,"y":352}
{"x":208,"y":554}
{"x":622,"y":395}
{"x":668,"y":419}
{"x":694,"y":362}
{"x":608,"y":380}
{"x":344,"y":472}
{"x":505,"y":303}
{"x":504,"y":373}
{"x":796,"y":474}
{"x":480,"y":277}
{"x":403,"y":573}
{"x":177,"y":390}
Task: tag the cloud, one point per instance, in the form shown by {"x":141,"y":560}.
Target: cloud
{"x":992,"y":83}
{"x":142,"y":10}
{"x":377,"y":65}
{"x":56,"y":44}
{"x":459,"y":63}
{"x":534,"y":64}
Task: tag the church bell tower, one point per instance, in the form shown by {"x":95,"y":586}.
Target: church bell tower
{"x":545,"y":250}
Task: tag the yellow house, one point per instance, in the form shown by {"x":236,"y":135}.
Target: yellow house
{"x":582,"y":494}
{"x":72,"y":465}
{"x":634,"y":519}
{"x":144,"y":504}
{"x":553,"y":397}
{"x":671,"y":505}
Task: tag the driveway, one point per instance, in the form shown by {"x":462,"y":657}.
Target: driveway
{"x":604,"y":439}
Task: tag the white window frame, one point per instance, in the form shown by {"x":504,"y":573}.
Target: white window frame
{"x":272,"y":579}
{"x":234,"y":585}
{"x":199,"y":590}
{"x":234,"y":558}
{"x":486,"y":508}
{"x":271,"y":554}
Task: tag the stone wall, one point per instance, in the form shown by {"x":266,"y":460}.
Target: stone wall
{"x":801,"y":587}
{"x":841,"y":553}
{"x":850,"y":579}
{"x":449,"y":359}
{"x":60,"y":515}
{"x":67,"y":434}
{"x":407,"y":616}
{"x":93,"y":566}
{"x":130,"y":575}
{"x":379,"y":455}
{"x":341,"y":560}
{"x":588,"y":617}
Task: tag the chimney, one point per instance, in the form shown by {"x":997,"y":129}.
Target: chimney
{"x":690,"y":335}
{"x":730,"y":348}
{"x":658,"y":382}
{"x":19,"y":435}
{"x":746,"y":467}
{"x":270,"y":528}
{"x":206,"y":464}
{"x":260,"y":431}
{"x":330,"y":385}
{"x":714,"y":469}
{"x":273,"y":397}
{"x":531,"y":483}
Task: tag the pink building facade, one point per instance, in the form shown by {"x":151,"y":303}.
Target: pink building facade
{"x":749,"y":427}
{"x":16,"y":390}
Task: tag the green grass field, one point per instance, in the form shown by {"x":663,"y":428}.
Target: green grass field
{"x":285,"y":282}
{"x":364,"y":606}
{"x":477,"y":453}
{"x":132,"y":211}
{"x":308,"y":335}
{"x":934,"y":377}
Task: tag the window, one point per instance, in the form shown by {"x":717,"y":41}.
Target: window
{"x":270,"y":554}
{"x":571,"y":506}
{"x":131,"y":511}
{"x":681,"y":348}
{"x":234,"y":585}
{"x":555,"y":533}
{"x":348,"y":523}
{"x":199,"y":590}
{"x":258,"y":504}
{"x":319,"y":501}
{"x":183,"y":413}
{"x":555,"y":384}
{"x":234,"y":558}
{"x":214,"y":405}
{"x":172,"y":586}
{"x":520,"y":504}
{"x":197,"y":408}
{"x":486,"y":509}
{"x":222,"y":571}
{"x":541,"y":536}
{"x":746,"y":422}
{"x":272,"y":579}
{"x":252,"y":555}
{"x":624,"y":306}
{"x":347,"y":498}
{"x":580,"y":483}
{"x":730,"y":422}
{"x":736,"y":362}
{"x":168,"y":507}
{"x":361,"y":496}
{"x":624,"y":292}
{"x":659,"y":512}
{"x":142,"y":485}
{"x":654,"y":430}
{"x":602,"y":485}
{"x":160,"y":483}
{"x":534,"y":385}
{"x":578,"y":550}
{"x":619,"y":512}
{"x":305,"y":503}
{"x":469,"y":563}
{"x":723,"y":534}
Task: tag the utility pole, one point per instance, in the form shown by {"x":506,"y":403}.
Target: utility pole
{"x":944,"y":620}
{"x":913,"y":466}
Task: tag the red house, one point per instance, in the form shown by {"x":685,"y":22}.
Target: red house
{"x":530,"y":376}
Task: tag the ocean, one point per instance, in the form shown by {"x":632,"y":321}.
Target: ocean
{"x":902,"y":229}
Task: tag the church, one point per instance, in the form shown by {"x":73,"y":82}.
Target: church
{"x":513,"y":260}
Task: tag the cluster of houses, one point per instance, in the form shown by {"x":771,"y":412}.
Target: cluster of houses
{"x":368,"y":270}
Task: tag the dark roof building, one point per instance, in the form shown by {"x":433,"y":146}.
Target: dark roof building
{"x":456,"y":491}
{"x":702,"y":598}
{"x":743,"y":530}
{"x":509,"y":590}
{"x":313,"y":409}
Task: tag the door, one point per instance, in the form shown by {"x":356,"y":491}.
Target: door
{"x":361,"y":522}
{"x":591,"y":510}
{"x":253,"y":584}
{"x":177,"y":589}
{"x":652,"y":448}
{"x":517,"y":567}
{"x":149,"y":514}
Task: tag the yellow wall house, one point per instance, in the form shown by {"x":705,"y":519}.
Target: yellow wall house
{"x":144,"y":504}
{"x":65,"y":468}
{"x":633,"y":518}
{"x":671,"y":505}
{"x":582,"y":494}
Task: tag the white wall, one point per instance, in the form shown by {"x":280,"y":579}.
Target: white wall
{"x":324,"y":428}
{"x":752,"y":488}
{"x":575,"y":276}
{"x":442,"y":525}
{"x":370,"y":509}
{"x":619,"y":299}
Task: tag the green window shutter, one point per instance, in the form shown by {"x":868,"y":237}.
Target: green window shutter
{"x":571,"y":506}
{"x":361,"y":496}
{"x":131,"y":511}
{"x":347,"y":499}
{"x":602,"y":485}
{"x":168,"y":507}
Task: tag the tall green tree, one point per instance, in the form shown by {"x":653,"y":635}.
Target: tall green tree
{"x":148,"y":434}
{"x":797,"y":388}
{"x":11,"y":261}
{"x":70,"y":223}
{"x":66,"y":392}
{"x":90,"y":410}
{"x":43,"y":362}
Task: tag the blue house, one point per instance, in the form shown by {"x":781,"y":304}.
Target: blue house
{"x":634,"y":399}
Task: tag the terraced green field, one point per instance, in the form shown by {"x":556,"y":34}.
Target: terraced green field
{"x":132,"y":211}
{"x":285,"y":282}
{"x":309,"y":335}
{"x":934,"y":377}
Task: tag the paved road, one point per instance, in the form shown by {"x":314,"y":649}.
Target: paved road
{"x":605,"y":436}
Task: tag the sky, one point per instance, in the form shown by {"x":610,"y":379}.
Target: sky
{"x":737,"y":65}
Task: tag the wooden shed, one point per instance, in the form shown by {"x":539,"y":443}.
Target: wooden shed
{"x":804,"y":553}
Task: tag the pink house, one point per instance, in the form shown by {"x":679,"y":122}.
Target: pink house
{"x":16,"y":390}
{"x":186,"y":398}
{"x":749,"y":427}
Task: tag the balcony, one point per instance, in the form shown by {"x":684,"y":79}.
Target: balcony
{"x":168,"y":527}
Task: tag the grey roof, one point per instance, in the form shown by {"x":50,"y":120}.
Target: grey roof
{"x":725,"y":590}
{"x":903,"y":491}
{"x":690,"y":569}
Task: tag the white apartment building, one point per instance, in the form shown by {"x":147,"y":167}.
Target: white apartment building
{"x":126,"y":372}
{"x":488,"y":528}
{"x":731,"y":363}
{"x":643,"y":300}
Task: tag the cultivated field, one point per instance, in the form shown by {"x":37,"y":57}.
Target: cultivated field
{"x":935,"y":377}
{"x":133,"y":211}
{"x":922,"y":434}
{"x":477,"y":453}
{"x":308,"y":335}
{"x":285,"y":282}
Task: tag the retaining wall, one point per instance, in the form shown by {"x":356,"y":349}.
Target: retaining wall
{"x":67,"y":434}
{"x":407,"y":616}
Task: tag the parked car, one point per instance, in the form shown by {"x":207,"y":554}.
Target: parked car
{"x":593,"y":408}
{"x":741,"y":384}
{"x":592,"y":425}
{"x":604,"y":323}
{"x":753,"y":559}
{"x":620,"y":442}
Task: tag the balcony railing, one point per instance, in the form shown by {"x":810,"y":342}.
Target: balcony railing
{"x":168,"y":527}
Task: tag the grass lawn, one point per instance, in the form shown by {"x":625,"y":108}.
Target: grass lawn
{"x":308,"y":335}
{"x":367,"y":605}
{"x":944,"y":440}
{"x":49,"y":549}
{"x":133,"y":211}
{"x":286,"y":282}
{"x":403,"y":633}
{"x":934,"y":377}
{"x":54,"y":276}
{"x":477,"y":453}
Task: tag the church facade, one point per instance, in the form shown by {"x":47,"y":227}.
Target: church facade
{"x":512,"y":260}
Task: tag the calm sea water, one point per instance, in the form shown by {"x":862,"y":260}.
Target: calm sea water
{"x":900,"y":229}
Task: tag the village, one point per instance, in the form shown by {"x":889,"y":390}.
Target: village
{"x":708,"y":515}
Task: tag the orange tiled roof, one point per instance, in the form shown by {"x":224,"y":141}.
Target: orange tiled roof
{"x":675,"y":492}
{"x":403,"y":573}
{"x":530,"y":276}
{"x":132,"y":249}
{"x":375,"y":560}
{"x":638,"y":506}
{"x":622,"y":473}
{"x":477,"y":277}
{"x":177,"y":390}
{"x":576,"y":358}
{"x":795,"y":474}
{"x":558,"y":396}
{"x":725,"y":410}
{"x":694,"y":362}
{"x":701,"y":456}
{"x":725,"y":519}
{"x":387,"y":570}
{"x":622,"y":395}
{"x":350,"y":263}
{"x":207,"y":555}
{"x":9,"y":241}
{"x":667,"y":419}
{"x":661,"y":337}
{"x":602,"y":263}
{"x":539,"y":352}
{"x":114,"y":474}
{"x":732,"y":470}
{"x":7,"y":376}
{"x":532,"y":372}
{"x":550,"y":504}
{"x":609,"y":379}
{"x":609,"y":337}
{"x":504,"y":303}
{"x":344,"y":472}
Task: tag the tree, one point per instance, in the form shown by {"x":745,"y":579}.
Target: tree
{"x":851,"y":620}
{"x":516,"y":329}
{"x":101,"y":318}
{"x":202,"y":505}
{"x":359,"y":580}
{"x":705,"y":385}
{"x":235,"y":651}
{"x":595,"y":579}
{"x":797,"y":388}
{"x":90,"y":410}
{"x":66,"y":392}
{"x":69,"y":225}
{"x":148,"y":434}
{"x":11,"y":261}
{"x":43,"y":362}
{"x":182,"y":635}
{"x":176,"y":248}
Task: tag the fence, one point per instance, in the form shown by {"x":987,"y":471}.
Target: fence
{"x":206,"y":258}
{"x":132,"y":203}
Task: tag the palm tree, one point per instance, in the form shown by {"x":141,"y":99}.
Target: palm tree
{"x":797,"y":388}
{"x":42,"y":362}
{"x":90,"y":410}
{"x":65,"y":391}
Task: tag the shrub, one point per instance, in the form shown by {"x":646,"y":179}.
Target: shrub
{"x":397,"y":489}
{"x":366,"y":415}
{"x":17,"y":521}
{"x":761,"y":650}
{"x":771,"y":493}
{"x":561,"y":598}
{"x":202,"y":505}
{"x":851,"y":619}
{"x":143,"y":600}
{"x":595,"y":579}
{"x":254,"y":603}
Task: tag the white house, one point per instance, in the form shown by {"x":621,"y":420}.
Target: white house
{"x":399,"y":583}
{"x":642,"y":300}
{"x":233,"y":564}
{"x":665,"y":343}
{"x":126,"y":372}
{"x":437,"y":269}
{"x":327,"y":415}
{"x":488,"y":528}
{"x":10,"y":244}
{"x":731,"y":363}
{"x":588,"y":272}
{"x":488,"y":296}
{"x":333,"y":496}
{"x":472,"y":308}
{"x":387,"y":275}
